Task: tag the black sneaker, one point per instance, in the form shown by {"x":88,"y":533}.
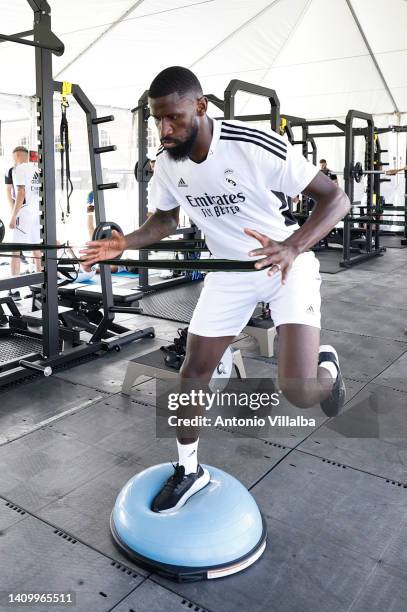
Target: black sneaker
{"x":175,"y":353}
{"x":179,"y":488}
{"x":15,"y":295}
{"x":336,"y":399}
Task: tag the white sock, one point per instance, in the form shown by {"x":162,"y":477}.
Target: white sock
{"x":188,"y":456}
{"x":329,"y":365}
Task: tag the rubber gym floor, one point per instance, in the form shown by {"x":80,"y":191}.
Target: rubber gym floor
{"x":336,"y":505}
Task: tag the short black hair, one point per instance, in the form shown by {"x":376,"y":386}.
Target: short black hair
{"x":20,"y":149}
{"x":174,"y":79}
{"x":322,"y":161}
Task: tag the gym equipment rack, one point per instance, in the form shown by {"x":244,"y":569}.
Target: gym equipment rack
{"x":53,"y":352}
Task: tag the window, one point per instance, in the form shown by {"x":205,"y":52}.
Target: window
{"x":24,"y":142}
{"x":152,"y":138}
{"x":57,"y":144}
{"x":104,"y":138}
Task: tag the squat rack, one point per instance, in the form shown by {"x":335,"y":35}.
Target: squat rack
{"x":348,"y":130}
{"x":47,"y":43}
{"x":396,"y":129}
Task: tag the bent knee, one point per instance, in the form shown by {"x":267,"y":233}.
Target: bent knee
{"x":302,"y":394}
{"x":196,"y":368}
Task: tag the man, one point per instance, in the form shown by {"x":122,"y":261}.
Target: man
{"x":90,"y":214}
{"x":10,"y":193}
{"x":25,"y":219}
{"x":228,"y":177}
{"x":323,"y":166}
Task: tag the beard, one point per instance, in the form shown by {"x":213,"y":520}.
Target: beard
{"x":182,"y":148}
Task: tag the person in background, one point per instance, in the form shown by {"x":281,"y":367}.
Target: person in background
{"x":25,"y":212}
{"x":11,"y":196}
{"x":10,"y":193}
{"x":323,"y":166}
{"x":395,"y":171}
{"x":90,"y":210}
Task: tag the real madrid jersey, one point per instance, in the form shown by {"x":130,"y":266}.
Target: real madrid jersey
{"x":27,"y":176}
{"x":243,"y":183}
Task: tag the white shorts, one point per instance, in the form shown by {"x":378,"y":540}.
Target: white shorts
{"x":28,"y":229}
{"x":228,"y":299}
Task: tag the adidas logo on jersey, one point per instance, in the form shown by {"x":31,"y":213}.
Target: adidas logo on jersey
{"x":182,"y":183}
{"x":310,"y":309}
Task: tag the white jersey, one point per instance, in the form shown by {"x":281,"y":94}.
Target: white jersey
{"x":26,"y":175}
{"x":242,"y":183}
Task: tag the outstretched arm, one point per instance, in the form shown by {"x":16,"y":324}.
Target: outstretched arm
{"x":160,"y":225}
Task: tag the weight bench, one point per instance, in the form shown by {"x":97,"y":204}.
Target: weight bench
{"x":264,"y":332}
{"x":153,"y":365}
{"x":77,"y":292}
{"x":122,"y":296}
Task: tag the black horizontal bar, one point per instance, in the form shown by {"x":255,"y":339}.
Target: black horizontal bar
{"x":57,"y":48}
{"x":18,"y":35}
{"x":15,"y":282}
{"x":105,"y":119}
{"x":106,"y":149}
{"x":224,"y":265}
{"x":334,"y":122}
{"x":105,"y":186}
{"x":215,"y":100}
{"x":261,"y":117}
{"x":326,"y":134}
{"x":178,"y":245}
{"x":5,"y":247}
{"x":369,"y":220}
{"x":164,"y":245}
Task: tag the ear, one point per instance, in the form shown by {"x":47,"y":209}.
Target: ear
{"x":202,"y":106}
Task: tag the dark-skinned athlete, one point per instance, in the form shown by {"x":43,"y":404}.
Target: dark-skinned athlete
{"x":232,"y":179}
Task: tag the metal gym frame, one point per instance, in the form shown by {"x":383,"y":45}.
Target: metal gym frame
{"x":227,"y":105}
{"x":402,"y":209}
{"x":372,"y":233}
{"x":46,"y":43}
{"x":371,"y":245}
{"x":143,"y":177}
{"x":287,"y":123}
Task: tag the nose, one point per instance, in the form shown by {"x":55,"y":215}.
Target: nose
{"x":165,"y":128}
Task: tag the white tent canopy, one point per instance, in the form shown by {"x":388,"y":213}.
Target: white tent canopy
{"x":321,"y":57}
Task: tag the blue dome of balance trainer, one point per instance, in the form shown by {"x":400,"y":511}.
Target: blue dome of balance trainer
{"x":219,"y":531}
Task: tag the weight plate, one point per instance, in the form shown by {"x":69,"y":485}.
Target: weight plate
{"x":103,"y":231}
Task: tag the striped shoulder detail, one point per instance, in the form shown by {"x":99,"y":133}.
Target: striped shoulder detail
{"x":160,"y":150}
{"x":237,"y":138}
{"x":254,"y":133}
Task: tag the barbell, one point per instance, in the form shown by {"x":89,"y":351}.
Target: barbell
{"x":357,"y":172}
